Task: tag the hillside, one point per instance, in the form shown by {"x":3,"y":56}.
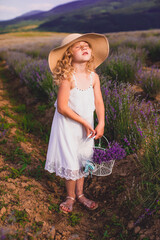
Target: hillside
{"x":31,"y":13}
{"x":90,"y":16}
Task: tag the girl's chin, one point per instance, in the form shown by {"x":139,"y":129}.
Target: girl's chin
{"x":86,"y":58}
{"x":82,"y":58}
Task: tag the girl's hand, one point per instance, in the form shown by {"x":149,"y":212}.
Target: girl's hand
{"x":89,"y":129}
{"x":99,"y":130}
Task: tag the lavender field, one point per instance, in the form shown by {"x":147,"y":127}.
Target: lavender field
{"x":130,"y":197}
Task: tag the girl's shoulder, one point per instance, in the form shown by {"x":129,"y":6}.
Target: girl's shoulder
{"x":94,"y":74}
{"x":95,"y":77}
{"x":68,"y":82}
{"x":72,"y":82}
{"x":65,"y":82}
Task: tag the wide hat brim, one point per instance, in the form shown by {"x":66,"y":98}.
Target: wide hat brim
{"x":98,"y":42}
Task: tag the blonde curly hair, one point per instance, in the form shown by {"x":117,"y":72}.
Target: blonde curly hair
{"x":64,"y":68}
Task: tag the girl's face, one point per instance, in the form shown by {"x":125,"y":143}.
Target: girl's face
{"x":81,"y":52}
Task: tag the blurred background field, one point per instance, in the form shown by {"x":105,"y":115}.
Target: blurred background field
{"x":85,"y":16}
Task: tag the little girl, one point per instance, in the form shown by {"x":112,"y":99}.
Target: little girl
{"x":79,"y":94}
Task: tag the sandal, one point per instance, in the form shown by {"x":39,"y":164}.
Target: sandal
{"x":67,"y":205}
{"x":87,"y":203}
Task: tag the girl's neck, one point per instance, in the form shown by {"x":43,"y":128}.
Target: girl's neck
{"x":80,"y":68}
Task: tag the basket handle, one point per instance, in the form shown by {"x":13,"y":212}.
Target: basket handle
{"x":99,"y":145}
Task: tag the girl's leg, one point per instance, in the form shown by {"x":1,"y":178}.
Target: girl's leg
{"x":70,"y":186}
{"x":68,"y":204}
{"x":79,"y":192}
{"x":79,"y":186}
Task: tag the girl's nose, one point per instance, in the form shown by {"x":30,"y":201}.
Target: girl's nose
{"x":83,"y":47}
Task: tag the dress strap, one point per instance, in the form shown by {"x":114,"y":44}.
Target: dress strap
{"x":91,"y":77}
{"x":75,"y":80}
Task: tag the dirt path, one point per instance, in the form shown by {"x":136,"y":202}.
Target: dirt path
{"x":30,"y":197}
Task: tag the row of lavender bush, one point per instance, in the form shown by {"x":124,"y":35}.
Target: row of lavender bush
{"x":123,"y":65}
{"x":149,"y":80}
{"x":33,"y":73}
{"x":120,"y":115}
{"x":150,"y":43}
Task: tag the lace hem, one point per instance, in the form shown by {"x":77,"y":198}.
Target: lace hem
{"x":67,"y":173}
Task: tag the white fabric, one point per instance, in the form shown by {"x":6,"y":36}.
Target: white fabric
{"x":68,"y":137}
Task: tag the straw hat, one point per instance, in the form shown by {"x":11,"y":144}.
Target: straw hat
{"x":98,"y":42}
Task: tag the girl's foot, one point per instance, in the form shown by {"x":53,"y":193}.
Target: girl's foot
{"x":91,"y":205}
{"x":67,"y":206}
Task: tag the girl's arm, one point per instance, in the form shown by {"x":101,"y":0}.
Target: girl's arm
{"x":99,"y":105}
{"x":64,"y":109}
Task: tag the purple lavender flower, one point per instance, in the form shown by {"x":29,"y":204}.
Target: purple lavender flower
{"x":126,"y":140}
{"x":115,"y":152}
{"x":37,"y":76}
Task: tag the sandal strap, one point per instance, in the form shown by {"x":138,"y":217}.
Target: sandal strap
{"x":80,"y":196}
{"x":88,"y":203}
{"x":70,"y":198}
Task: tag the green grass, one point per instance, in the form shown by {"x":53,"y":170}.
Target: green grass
{"x":38,"y":172}
{"x":20,"y":217}
{"x":37,"y":226}
{"x":74,"y":218}
{"x":5,"y":126}
{"x":17,"y":155}
{"x":4,"y":141}
{"x":2,"y":204}
{"x":20,"y":108}
{"x":42,"y":108}
{"x":19,"y":136}
{"x":25,"y":121}
{"x":16,"y":173}
{"x":54,"y":207}
{"x":28,"y":188}
{"x":2,"y":190}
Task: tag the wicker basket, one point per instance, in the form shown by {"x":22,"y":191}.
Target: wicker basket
{"x":102,"y":169}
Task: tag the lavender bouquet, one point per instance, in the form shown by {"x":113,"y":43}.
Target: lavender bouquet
{"x":104,"y":159}
{"x":114,"y":152}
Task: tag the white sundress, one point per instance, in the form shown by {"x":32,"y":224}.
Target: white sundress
{"x":67,"y":140}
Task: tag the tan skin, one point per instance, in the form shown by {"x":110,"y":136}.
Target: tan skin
{"x":81,"y":54}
